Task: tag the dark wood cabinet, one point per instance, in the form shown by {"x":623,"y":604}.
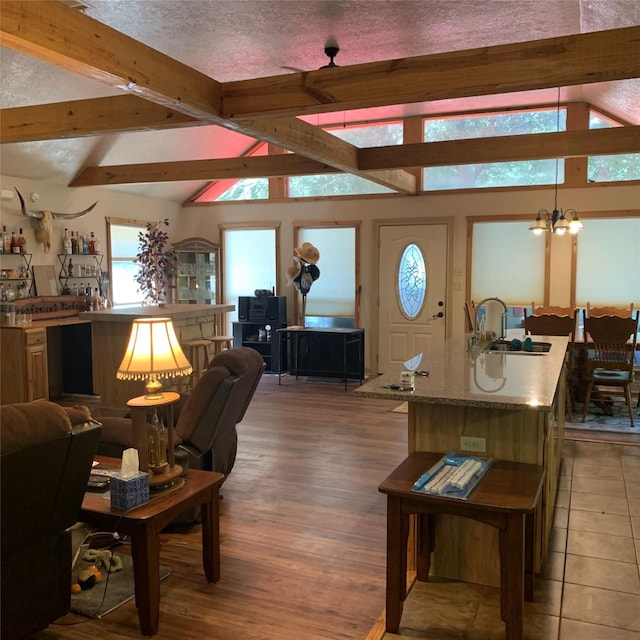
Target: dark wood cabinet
{"x":264,"y":340}
{"x":326,"y":353}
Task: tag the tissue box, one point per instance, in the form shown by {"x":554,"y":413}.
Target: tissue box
{"x":128,"y":493}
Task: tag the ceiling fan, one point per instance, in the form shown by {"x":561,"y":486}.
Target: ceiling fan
{"x":331,"y":50}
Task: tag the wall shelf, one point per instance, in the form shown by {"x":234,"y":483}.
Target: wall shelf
{"x":11,"y":273}
{"x":87,"y":267}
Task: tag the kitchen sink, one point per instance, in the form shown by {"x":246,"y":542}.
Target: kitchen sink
{"x":517,"y":347}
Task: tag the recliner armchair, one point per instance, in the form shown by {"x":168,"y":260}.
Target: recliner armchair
{"x":46,"y":455}
{"x":206,"y":418}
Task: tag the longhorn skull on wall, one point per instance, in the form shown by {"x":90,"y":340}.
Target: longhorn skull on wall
{"x":43,"y":221}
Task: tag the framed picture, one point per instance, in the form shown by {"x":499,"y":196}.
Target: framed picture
{"x":45,"y":279}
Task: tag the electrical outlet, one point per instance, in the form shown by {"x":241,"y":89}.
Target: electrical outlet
{"x":470,"y":443}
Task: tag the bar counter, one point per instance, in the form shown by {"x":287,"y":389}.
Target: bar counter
{"x":515,"y":402}
{"x":110,"y":330}
{"x":177,"y":312}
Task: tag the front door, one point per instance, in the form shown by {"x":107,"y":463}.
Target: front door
{"x":412,"y":284}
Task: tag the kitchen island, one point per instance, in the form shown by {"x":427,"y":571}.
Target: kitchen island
{"x":509,"y":404}
{"x":110,"y":330}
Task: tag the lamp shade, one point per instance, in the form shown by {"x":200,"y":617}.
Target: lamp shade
{"x":153,"y":352}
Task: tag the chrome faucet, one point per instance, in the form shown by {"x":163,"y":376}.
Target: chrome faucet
{"x":503,"y":327}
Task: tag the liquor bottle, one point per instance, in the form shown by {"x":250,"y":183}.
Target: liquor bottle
{"x":74,"y":243}
{"x":66,"y":243}
{"x":70,"y":267}
{"x":157,"y":439}
{"x":14,"y":243}
{"x":96,"y":244}
{"x":97,"y":300}
{"x":4,"y":231}
{"x":85,"y":244}
{"x":6,"y":240}
{"x":22,"y":243}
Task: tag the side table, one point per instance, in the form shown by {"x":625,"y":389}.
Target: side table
{"x":505,"y":498}
{"x":144,"y":524}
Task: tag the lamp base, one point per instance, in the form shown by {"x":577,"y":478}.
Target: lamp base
{"x":159,"y":481}
{"x":154,"y":389}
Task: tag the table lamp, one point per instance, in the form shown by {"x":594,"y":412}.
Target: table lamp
{"x":153,"y":353}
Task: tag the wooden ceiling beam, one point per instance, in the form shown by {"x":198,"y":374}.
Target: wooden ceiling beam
{"x":525,"y":66}
{"x":54,"y":33}
{"x":95,"y":116}
{"x":535,"y":146}
{"x":59,"y":35}
{"x":428,"y":154}
{"x":287,"y":164}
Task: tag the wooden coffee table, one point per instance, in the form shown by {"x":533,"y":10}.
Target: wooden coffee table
{"x":144,"y":525}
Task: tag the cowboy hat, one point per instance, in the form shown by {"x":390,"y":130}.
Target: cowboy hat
{"x":307,"y":253}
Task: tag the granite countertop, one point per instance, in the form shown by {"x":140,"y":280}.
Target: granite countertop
{"x":169,"y":311}
{"x":479,"y":378}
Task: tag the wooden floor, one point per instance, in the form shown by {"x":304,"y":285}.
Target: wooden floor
{"x":302,"y":528}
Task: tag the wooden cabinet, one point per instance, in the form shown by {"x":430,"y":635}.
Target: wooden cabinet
{"x":24,"y":365}
{"x":197,"y":279}
{"x":264,"y":341}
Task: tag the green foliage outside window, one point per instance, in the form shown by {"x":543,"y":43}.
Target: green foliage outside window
{"x":484,"y":175}
{"x":493,"y":174}
{"x":613,"y":167}
{"x":335,"y":184}
{"x":247,"y":189}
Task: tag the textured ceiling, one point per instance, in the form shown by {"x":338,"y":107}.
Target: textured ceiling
{"x":242,"y":39}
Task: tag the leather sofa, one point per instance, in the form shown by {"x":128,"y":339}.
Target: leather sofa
{"x":46,"y":453}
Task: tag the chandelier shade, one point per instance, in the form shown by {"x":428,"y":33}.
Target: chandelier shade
{"x":556,"y":221}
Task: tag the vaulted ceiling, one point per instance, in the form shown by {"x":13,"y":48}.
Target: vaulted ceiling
{"x":180,"y":88}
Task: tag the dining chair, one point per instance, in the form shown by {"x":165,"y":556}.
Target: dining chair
{"x":549,"y":309}
{"x":610,"y":357}
{"x":550,"y":324}
{"x":620,"y":312}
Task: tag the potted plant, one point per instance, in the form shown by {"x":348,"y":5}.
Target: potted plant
{"x":156,"y":263}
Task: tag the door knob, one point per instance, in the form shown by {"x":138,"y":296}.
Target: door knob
{"x":438,"y":315}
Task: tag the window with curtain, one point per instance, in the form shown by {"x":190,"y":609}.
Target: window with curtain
{"x":333,"y":294}
{"x":608,"y":263}
{"x":507,"y":262}
{"x":124,"y":243}
{"x":249,"y":257}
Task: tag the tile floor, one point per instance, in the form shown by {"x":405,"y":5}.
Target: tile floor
{"x":590,"y":586}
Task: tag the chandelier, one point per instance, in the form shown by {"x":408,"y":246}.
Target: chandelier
{"x":556,"y":221}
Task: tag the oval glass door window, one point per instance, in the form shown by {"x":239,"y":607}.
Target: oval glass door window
{"x":412,"y":281}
